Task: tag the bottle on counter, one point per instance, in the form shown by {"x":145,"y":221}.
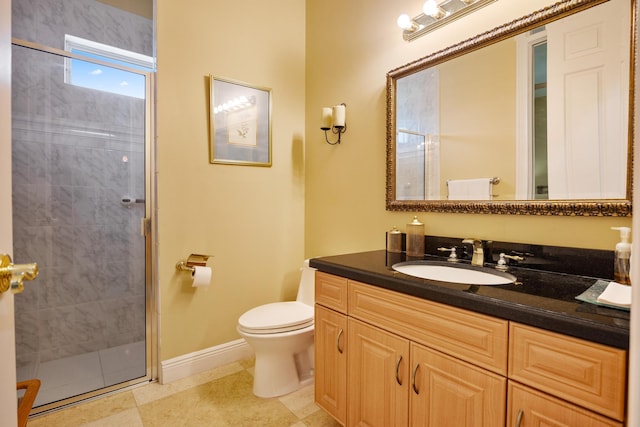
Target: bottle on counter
{"x":622,"y":262}
{"x":394,"y":240}
{"x":415,"y":238}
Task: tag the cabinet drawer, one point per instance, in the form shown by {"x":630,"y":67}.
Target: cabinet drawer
{"x":537,"y":409}
{"x":331,"y":291}
{"x":475,"y":338}
{"x":587,"y":374}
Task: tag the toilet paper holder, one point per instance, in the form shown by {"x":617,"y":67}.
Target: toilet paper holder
{"x":193,"y":261}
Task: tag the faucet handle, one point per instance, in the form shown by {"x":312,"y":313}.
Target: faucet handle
{"x":502,"y":264}
{"x":453,"y":257}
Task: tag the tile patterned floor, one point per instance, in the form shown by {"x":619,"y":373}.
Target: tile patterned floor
{"x":221,"y":397}
{"x":82,"y":373}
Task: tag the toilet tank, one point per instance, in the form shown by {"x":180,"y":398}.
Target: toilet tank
{"x":306,"y":289}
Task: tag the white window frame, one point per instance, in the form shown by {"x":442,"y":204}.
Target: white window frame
{"x":110,"y":52}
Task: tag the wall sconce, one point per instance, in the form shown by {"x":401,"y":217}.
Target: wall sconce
{"x":435,"y":14}
{"x":334,"y":120}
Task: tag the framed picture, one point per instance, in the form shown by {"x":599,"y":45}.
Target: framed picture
{"x":240,"y":120}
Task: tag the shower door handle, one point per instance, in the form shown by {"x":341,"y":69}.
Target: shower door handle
{"x":12,"y":276}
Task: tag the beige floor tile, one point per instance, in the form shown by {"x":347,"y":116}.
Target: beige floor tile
{"x":87,"y":412}
{"x":301,"y":402}
{"x":157,"y":391}
{"x":320,"y":419}
{"x":226,"y":402}
{"x":127,"y":418}
{"x":221,"y":397}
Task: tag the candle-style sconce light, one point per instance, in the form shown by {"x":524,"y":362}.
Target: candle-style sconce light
{"x":334,"y":120}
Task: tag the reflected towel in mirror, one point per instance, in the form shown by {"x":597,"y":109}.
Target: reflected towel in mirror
{"x":470,"y":189}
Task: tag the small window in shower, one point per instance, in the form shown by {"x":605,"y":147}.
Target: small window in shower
{"x":109,"y":79}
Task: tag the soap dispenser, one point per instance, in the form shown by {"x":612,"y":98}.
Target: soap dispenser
{"x":415,"y":238}
{"x":622,"y":260}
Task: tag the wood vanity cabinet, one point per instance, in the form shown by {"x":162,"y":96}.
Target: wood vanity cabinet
{"x":330,"y":335}
{"x":586,"y":374}
{"x":529,"y":407}
{"x":384,"y":358}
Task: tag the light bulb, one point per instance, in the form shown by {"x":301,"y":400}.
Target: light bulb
{"x":432,"y":9}
{"x":404,"y":22}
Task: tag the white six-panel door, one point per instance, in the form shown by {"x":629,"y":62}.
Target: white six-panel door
{"x":588,"y":71}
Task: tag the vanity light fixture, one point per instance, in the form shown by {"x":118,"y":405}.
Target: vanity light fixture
{"x":334,"y":120}
{"x":435,"y":14}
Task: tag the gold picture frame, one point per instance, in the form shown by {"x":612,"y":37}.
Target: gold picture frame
{"x":240,"y":123}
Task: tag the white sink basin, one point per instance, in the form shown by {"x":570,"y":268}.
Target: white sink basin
{"x":454,"y":273}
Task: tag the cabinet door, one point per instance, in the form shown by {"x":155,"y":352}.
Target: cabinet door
{"x":378,"y":377}
{"x":331,"y":362}
{"x":531,"y":408}
{"x":588,"y":374}
{"x":446,"y":392}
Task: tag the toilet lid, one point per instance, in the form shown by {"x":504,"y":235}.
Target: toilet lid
{"x":277,"y":317}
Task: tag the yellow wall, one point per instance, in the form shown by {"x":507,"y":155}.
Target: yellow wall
{"x":250,"y":218}
{"x":350,"y":47}
{"x":478,"y":89}
{"x":316,"y":199}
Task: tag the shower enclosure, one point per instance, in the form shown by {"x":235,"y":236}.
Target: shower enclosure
{"x":81,"y":158}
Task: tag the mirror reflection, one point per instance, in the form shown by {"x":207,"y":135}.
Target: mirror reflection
{"x":540,"y":115}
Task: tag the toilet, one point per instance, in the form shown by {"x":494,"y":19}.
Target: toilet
{"x":281,"y":335}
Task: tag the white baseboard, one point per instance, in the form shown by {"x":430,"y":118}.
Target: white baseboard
{"x":203,"y":360}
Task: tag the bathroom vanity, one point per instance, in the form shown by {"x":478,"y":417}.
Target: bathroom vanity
{"x":392,"y":349}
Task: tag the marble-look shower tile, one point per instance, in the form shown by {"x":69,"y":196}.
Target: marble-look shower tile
{"x":69,"y":289}
{"x":49,"y":18}
{"x":117,"y":170}
{"x":123,"y":33}
{"x":62,"y":205}
{"x":26,"y":329}
{"x":84,"y":19}
{"x":31,"y":204}
{"x":125,"y":316}
{"x":90,"y":169}
{"x":26,"y":366}
{"x":68,"y":377}
{"x":63,"y":161}
{"x":71,"y":330}
{"x":30,"y":162}
{"x":31,"y":244}
{"x":124,"y":362}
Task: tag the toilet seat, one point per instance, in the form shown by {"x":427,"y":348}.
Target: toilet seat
{"x":276,"y":318}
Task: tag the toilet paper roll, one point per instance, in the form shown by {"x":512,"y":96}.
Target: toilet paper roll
{"x":201,"y":276}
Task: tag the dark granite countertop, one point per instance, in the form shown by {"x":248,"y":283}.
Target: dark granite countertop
{"x":538,"y":298}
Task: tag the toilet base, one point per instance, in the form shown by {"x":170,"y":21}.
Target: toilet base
{"x":275,"y":376}
{"x":282,"y":366}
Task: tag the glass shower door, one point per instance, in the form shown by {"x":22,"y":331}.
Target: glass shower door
{"x":79,"y":196}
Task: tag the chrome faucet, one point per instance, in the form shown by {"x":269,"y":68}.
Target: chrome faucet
{"x":478,"y":251}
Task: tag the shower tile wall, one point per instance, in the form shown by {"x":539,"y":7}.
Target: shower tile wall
{"x":76,"y":153}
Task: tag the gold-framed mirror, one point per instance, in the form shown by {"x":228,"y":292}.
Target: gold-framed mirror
{"x":511,"y":154}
